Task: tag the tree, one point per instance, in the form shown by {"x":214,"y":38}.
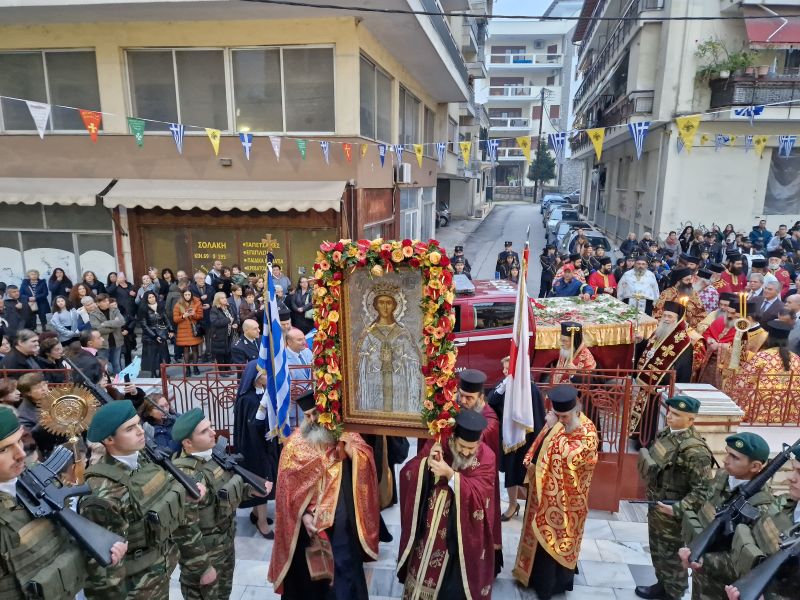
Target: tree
{"x":542,"y":168}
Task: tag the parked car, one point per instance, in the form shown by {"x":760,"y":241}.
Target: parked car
{"x":554,"y":205}
{"x":596,"y":238}
{"x":560,"y":214}
{"x":573,"y":196}
{"x":549,"y":199}
{"x":563,"y":228}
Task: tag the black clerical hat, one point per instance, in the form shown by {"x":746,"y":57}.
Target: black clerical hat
{"x":458,"y":248}
{"x":471,"y":380}
{"x":778,"y":330}
{"x":730,"y":297}
{"x":675,"y":307}
{"x":757,"y":263}
{"x":284,"y":314}
{"x":777,"y":253}
{"x":716,"y":268}
{"x":574,"y":325}
{"x":605,"y":260}
{"x":469,"y":425}
{"x":691,"y":259}
{"x":679,"y":274}
{"x":306,"y":402}
{"x":704,"y":274}
{"x":563,"y":398}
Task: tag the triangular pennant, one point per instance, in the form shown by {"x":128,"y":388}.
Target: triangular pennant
{"x":177,"y":130}
{"x":301,"y":146}
{"x":418,"y":151}
{"x":382,"y":153}
{"x":491,"y":149}
{"x":40,"y":112}
{"x":704,"y":139}
{"x":748,"y":143}
{"x":760,"y":142}
{"x":441,"y":147}
{"x":732,"y":140}
{"x":638,"y":133}
{"x":347,"y":148}
{"x":398,"y":152}
{"x":785,"y":145}
{"x":91,"y":120}
{"x":326,"y":149}
{"x":721,"y":140}
{"x":466,"y":150}
{"x":558,"y":143}
{"x":687,"y":128}
{"x":213,"y":136}
{"x":524,"y":142}
{"x":247,"y":143}
{"x":276,"y":146}
{"x":136,"y":127}
{"x":364,"y":148}
{"x":747,"y":112}
{"x":597,"y":136}
{"x":679,"y":143}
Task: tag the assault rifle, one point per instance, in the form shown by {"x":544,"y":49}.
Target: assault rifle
{"x":42,"y":494}
{"x":157,"y":455}
{"x":654,"y":502}
{"x":737,"y":509}
{"x":752,"y":585}
{"x":230,"y":462}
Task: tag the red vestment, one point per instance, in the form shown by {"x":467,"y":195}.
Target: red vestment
{"x":309,"y":478}
{"x":783,"y":277}
{"x":491,"y":436}
{"x":733,"y":283}
{"x":424,"y":558}
{"x":581,"y":361}
{"x":599,"y":281}
{"x":694,"y":306}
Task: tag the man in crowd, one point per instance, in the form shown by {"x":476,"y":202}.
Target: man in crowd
{"x":780,"y":240}
{"x":734,"y":278}
{"x":717,"y":270}
{"x":760,"y":235}
{"x":318,"y":513}
{"x":574,"y":261}
{"x":746,"y":454}
{"x":109,"y":322}
{"x":16,"y":312}
{"x":281,"y":279}
{"x":623,"y":266}
{"x":297,"y":354}
{"x":573,"y":356}
{"x":458,"y":253}
{"x":793,"y":304}
{"x":725,"y":300}
{"x":638,"y":287}
{"x":285,"y":317}
{"x":681,"y":288}
{"x":571,"y":285}
{"x":603,"y":280}
{"x":771,"y":303}
{"x":677,"y":467}
{"x":24,"y":351}
{"x":446,"y":499}
{"x":561,"y":462}
{"x":246,"y":347}
{"x":214,"y":276}
{"x":776,"y":258}
{"x":755,"y":285}
{"x":709,"y":296}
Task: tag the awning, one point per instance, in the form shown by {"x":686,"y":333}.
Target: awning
{"x":48,"y":191}
{"x":226,"y":195}
{"x":777,"y":32}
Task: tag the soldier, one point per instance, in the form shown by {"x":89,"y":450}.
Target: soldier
{"x":216,"y":512}
{"x":677,"y":467}
{"x":745,"y":455}
{"x":752,"y":545}
{"x":138,"y":500}
{"x":27,"y":550}
{"x":458,"y":253}
{"x":503,"y":256}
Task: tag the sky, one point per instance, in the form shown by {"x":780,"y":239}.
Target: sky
{"x":520,"y":7}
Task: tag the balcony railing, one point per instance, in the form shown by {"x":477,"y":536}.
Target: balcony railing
{"x":523,"y":59}
{"x":518,"y":92}
{"x":442,"y":27}
{"x":617,"y":41}
{"x":637,"y":103}
{"x":747,"y":90}
{"x":513,"y":123}
{"x":510,"y":154}
{"x":598,"y":12}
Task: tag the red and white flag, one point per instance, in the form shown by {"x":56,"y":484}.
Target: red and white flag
{"x":518,"y":405}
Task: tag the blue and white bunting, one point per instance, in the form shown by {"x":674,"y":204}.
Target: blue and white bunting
{"x":721,"y":140}
{"x":748,"y":143}
{"x":747,"y":112}
{"x":638,"y":133}
{"x":177,"y":134}
{"x":680,"y":145}
{"x":398,"y":151}
{"x":382,"y":153}
{"x":247,"y":143}
{"x":441,"y":147}
{"x":785,"y":145}
{"x":558,"y":144}
{"x":491,"y":148}
{"x":326,"y":150}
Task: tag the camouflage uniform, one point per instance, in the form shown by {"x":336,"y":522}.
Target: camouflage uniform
{"x":215,"y":515}
{"x":37,"y":550}
{"x":752,"y":544}
{"x":708,"y":583}
{"x":677,"y":467}
{"x":146,"y":507}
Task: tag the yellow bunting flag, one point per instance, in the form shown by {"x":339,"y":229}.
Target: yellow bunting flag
{"x":704,"y":139}
{"x":597,"y":136}
{"x":760,"y":142}
{"x":687,"y":128}
{"x":466,"y":149}
{"x":524,"y":142}
{"x":213,"y":136}
{"x":732,"y":141}
{"x":364,"y":148}
{"x":418,"y":152}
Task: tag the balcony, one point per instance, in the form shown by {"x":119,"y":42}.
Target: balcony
{"x":513,"y":124}
{"x":524,"y":61}
{"x":514,"y":93}
{"x":477,"y":69}
{"x":471,"y":38}
{"x":598,"y":11}
{"x":747,"y":90}
{"x":510,"y":154}
{"x":618,"y":112}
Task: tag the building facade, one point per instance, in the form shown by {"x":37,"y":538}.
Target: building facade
{"x":312,"y":79}
{"x":649,"y":70}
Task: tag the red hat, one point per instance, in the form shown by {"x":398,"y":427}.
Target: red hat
{"x":569,"y":267}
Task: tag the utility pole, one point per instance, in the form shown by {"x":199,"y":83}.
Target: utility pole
{"x":538,"y":141}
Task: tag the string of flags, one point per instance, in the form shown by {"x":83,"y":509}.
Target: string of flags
{"x":687,"y":126}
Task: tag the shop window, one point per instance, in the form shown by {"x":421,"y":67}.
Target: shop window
{"x":376,"y":102}
{"x":11,"y":268}
{"x":378,"y":230}
{"x":303,"y":246}
{"x":96,"y":253}
{"x":44,"y":251}
{"x":257,"y":89}
{"x":409,"y":118}
{"x":54,"y":77}
{"x":409,"y":213}
{"x":494,"y":315}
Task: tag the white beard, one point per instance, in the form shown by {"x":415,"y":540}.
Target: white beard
{"x":565,"y":354}
{"x":699,"y":286}
{"x":315,"y":434}
{"x":639,"y":272}
{"x":459,"y":462}
{"x":663,"y":330}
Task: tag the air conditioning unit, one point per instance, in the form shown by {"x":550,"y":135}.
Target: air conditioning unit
{"x":538,"y":44}
{"x":402,"y":173}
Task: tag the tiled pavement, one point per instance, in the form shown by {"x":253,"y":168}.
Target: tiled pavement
{"x":614,"y":559}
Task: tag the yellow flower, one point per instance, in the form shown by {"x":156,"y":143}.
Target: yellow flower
{"x":325,"y":418}
{"x":436,"y":272}
{"x":318,"y":274}
{"x":441,"y":424}
{"x":395,"y":245}
{"x":375,"y":245}
{"x":434,"y":257}
{"x":333,"y":316}
{"x":434,"y":284}
{"x":377,"y":271}
{"x":449,"y":296}
{"x":397,"y":255}
{"x":346,"y":241}
{"x":321,"y":290}
{"x":352,"y":251}
{"x":328,"y":378}
{"x":447,"y":406}
{"x":333,"y":395}
{"x":320,"y":256}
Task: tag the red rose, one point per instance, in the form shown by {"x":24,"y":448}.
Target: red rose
{"x":450,"y":337}
{"x":414,"y":262}
{"x":337,"y":276}
{"x":406,"y":242}
{"x":362,"y":244}
{"x":444,"y":261}
{"x":339,"y":246}
{"x":335,"y":406}
{"x":362,"y":262}
{"x":433,"y":243}
{"x":329,"y":343}
{"x":319,"y":361}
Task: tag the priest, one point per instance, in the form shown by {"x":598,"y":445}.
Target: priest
{"x":446,"y":498}
{"x":682,"y":287}
{"x":326,"y":513}
{"x":560,"y":464}
{"x":574,"y":355}
{"x":602,"y":280}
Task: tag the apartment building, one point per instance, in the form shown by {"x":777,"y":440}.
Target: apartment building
{"x":645,"y":69}
{"x":308,"y":77}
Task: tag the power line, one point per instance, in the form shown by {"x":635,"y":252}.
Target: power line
{"x":432,"y":13}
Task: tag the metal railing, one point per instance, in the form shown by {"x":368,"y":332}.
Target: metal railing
{"x":598,"y":12}
{"x":510,"y":154}
{"x":510,"y":123}
{"x":638,"y":102}
{"x":514,"y":91}
{"x":442,"y":27}
{"x":526,"y":58}
{"x":767,"y":398}
{"x":747,"y":90}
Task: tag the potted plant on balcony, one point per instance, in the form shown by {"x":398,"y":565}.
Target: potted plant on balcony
{"x":711,"y":54}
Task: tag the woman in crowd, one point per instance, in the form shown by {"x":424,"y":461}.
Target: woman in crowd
{"x":726,"y":232}
{"x":156,"y":412}
{"x":188,"y":316}
{"x":697,"y":244}
{"x":5,"y":346}
{"x":259,"y":289}
{"x":686,"y":238}
{"x":51,"y":358}
{"x":148,"y":285}
{"x":225,"y":281}
{"x":301,"y":305}
{"x":34,"y":291}
{"x":223,"y":326}
{"x":59,"y":284}
{"x":9,"y":394}
{"x":156,"y":330}
{"x":111,"y":279}
{"x":79,"y":291}
{"x":249,"y":307}
{"x":90,"y":280}
{"x":167,"y":280}
{"x":32,"y":389}
{"x":64,"y":320}
{"x":203,"y":291}
{"x":176,"y":290}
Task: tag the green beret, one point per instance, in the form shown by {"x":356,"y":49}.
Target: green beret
{"x":108,"y":418}
{"x":9,"y":424}
{"x":685,"y":404}
{"x":185,"y":424}
{"x":749,"y":444}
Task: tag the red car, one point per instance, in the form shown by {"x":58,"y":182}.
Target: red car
{"x":484,"y":322}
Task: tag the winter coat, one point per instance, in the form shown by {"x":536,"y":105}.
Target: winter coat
{"x":183,"y":326}
{"x":173,"y":295}
{"x":97,"y":287}
{"x":38,"y":292}
{"x":59,"y":288}
{"x":154,"y":323}
{"x":208,"y":291}
{"x":15,"y":317}
{"x":108,"y":326}
{"x":126,"y":298}
{"x":219,"y":341}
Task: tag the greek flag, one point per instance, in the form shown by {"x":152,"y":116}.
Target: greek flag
{"x":785,"y":145}
{"x":247,"y":143}
{"x":382,"y":153}
{"x":638,"y":133}
{"x":272,"y":360}
{"x":557,"y":142}
{"x":440,"y":149}
{"x":721,"y":140}
{"x":398,"y":150}
{"x":491,"y":146}
{"x":177,"y":134}
{"x":326,"y":149}
{"x":748,"y":112}
{"x":748,"y":143}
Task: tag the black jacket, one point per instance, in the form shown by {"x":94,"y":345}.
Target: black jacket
{"x":126,"y":302}
{"x":243,"y":351}
{"x":16,"y":360}
{"x":154,"y":324}
{"x":15,"y":317}
{"x":219,"y":332}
